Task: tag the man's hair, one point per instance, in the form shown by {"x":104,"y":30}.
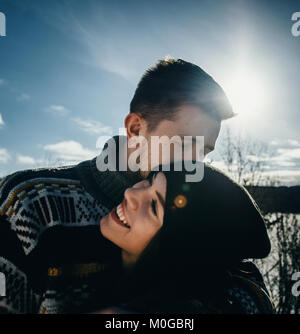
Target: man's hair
{"x":172,"y":83}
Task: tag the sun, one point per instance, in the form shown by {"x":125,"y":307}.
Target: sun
{"x":247,"y":93}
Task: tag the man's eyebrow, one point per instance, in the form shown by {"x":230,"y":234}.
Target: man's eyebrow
{"x":161,"y":200}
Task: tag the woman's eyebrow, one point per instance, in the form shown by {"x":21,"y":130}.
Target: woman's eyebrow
{"x":160,"y":198}
{"x":152,"y":178}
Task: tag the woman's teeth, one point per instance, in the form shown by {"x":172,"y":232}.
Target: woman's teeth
{"x":121,"y":216}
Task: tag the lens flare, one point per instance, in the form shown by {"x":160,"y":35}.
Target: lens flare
{"x":180,"y":201}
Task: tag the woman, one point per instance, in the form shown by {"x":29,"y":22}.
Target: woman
{"x":183,"y":241}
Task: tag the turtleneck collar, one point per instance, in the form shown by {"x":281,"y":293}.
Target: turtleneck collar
{"x":108,"y":186}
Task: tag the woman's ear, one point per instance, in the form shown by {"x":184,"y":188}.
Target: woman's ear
{"x":135,"y":125}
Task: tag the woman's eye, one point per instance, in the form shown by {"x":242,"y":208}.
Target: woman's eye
{"x":152,"y":179}
{"x":153,"y":205}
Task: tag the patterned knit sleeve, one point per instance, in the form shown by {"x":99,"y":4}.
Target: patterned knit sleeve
{"x":16,"y":296}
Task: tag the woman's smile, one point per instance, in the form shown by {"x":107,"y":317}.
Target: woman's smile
{"x":118,"y":215}
{"x":134,"y":222}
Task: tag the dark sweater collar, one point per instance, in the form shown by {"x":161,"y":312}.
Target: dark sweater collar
{"x":107,"y":186}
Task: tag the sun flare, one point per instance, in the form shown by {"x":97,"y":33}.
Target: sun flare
{"x":247,"y":93}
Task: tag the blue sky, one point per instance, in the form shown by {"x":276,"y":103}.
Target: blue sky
{"x":68,"y":70}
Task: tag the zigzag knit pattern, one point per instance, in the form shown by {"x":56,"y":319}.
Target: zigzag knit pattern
{"x":32,"y":203}
{"x":20,"y":298}
{"x":37,"y":204}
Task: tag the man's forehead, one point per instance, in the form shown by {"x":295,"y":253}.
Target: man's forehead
{"x":190,"y":138}
{"x":190,"y":121}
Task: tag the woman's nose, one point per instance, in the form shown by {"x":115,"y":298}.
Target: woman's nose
{"x":134,"y":197}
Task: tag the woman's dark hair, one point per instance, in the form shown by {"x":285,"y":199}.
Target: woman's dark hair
{"x":208,"y":228}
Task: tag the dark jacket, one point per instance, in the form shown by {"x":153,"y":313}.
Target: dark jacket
{"x":51,"y":250}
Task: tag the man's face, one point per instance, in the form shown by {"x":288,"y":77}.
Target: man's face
{"x":189,"y":121}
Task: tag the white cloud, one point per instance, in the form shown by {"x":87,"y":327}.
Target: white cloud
{"x":93,"y":127}
{"x":293,"y":142}
{"x":286,"y":153}
{"x":58,"y":110}
{"x":292,"y":153}
{"x":70,"y":151}
{"x":285,"y":142}
{"x":285,"y":157}
{"x":280,"y":163}
{"x":47,"y":160}
{"x":283,"y":163}
{"x":23,"y":97}
{"x":285,"y":176}
{"x":4,"y":155}
{"x":258,"y":158}
{"x":25,"y":160}
{"x":1,"y":121}
{"x":2,"y":81}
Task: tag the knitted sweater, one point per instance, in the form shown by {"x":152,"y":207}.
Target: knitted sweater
{"x":52,"y":254}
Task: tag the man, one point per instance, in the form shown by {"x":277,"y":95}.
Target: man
{"x":51,"y":216}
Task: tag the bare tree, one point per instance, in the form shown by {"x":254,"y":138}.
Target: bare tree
{"x":244,"y":159}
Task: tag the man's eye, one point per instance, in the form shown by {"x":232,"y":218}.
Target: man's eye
{"x":153,"y":205}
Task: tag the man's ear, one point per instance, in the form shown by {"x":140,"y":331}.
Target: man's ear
{"x":135,"y":125}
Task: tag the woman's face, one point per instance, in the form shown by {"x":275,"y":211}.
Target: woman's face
{"x":135,"y":221}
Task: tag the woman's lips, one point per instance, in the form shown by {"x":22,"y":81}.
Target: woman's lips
{"x":116,"y":218}
{"x":123,"y":211}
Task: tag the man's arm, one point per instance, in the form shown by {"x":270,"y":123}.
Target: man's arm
{"x":249,"y":290}
{"x":17,"y":296}
{"x":247,"y":294}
